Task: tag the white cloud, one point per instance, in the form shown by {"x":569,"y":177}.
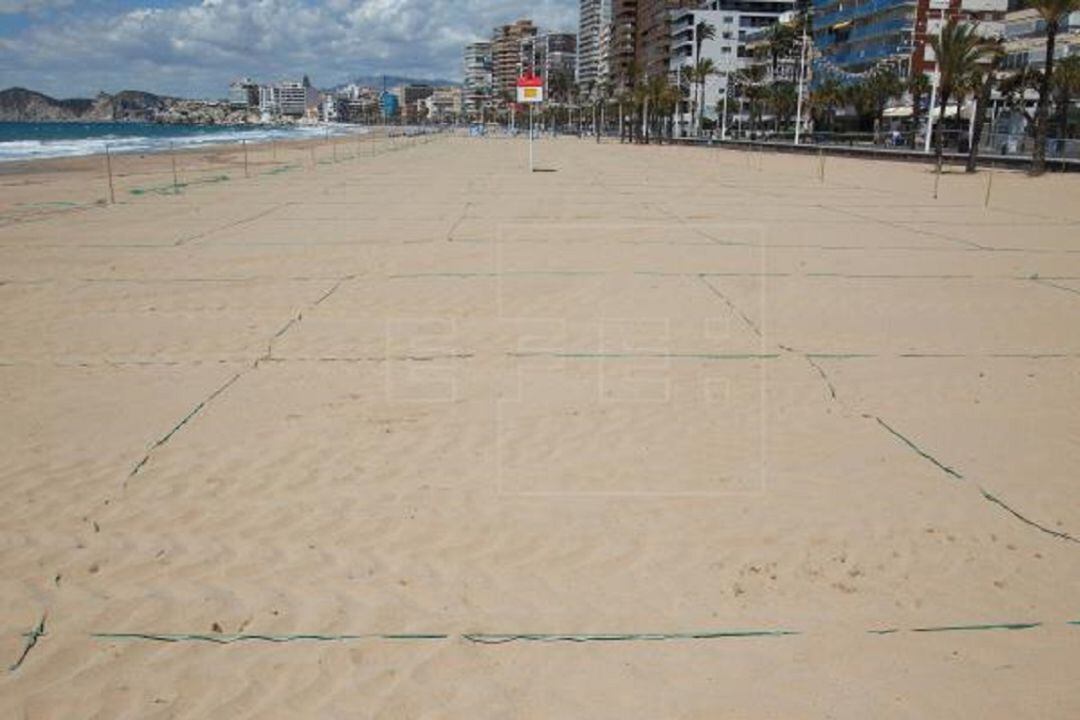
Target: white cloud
{"x":11,"y":7}
{"x":195,"y":49}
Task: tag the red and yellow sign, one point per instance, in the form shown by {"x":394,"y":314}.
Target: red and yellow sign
{"x":530,"y":89}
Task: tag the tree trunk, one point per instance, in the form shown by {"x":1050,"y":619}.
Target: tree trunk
{"x":981,"y":104}
{"x":1042,"y":110}
{"x":943,"y":103}
{"x":916,"y":116}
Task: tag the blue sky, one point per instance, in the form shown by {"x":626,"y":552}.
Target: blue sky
{"x":193,"y":48}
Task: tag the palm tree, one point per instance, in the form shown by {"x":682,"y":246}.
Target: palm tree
{"x":705,"y":68}
{"x":751,"y":85}
{"x":958,"y":50}
{"x":781,"y":100}
{"x":781,"y":39}
{"x":918,"y":85}
{"x":1052,"y":12}
{"x":688,"y":87}
{"x":825,"y":99}
{"x":664,"y":97}
{"x":982,"y":83}
{"x":1015,"y":89}
{"x":703,"y":31}
{"x":882,"y":85}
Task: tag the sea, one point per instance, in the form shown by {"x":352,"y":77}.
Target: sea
{"x":38,"y":140}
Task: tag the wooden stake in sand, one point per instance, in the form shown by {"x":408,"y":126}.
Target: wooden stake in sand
{"x":108,"y":169}
{"x":175,"y":177}
{"x":244,"y":143}
{"x":989,"y":184}
{"x":937,"y":177}
{"x":821,"y":165}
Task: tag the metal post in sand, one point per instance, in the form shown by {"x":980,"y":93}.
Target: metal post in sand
{"x":175,"y":178}
{"x":108,"y":168}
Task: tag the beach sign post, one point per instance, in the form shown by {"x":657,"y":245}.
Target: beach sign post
{"x":530,"y":91}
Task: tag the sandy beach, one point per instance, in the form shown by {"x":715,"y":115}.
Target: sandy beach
{"x":396,"y":429}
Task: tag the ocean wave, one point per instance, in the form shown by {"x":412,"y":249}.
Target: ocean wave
{"x":40,"y":149}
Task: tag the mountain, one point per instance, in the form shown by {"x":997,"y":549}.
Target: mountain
{"x":22,"y":105}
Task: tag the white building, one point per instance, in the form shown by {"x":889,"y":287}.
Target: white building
{"x":1025,"y":39}
{"x":269,"y":101}
{"x":444,"y":104}
{"x":295,"y":98}
{"x":594,"y":32}
{"x":734,"y":22}
{"x":244,"y":93}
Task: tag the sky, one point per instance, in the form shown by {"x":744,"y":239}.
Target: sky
{"x":194,"y":48}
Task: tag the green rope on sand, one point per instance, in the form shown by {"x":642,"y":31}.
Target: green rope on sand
{"x":644,"y":356}
{"x":171,"y":189}
{"x":992,"y":626}
{"x":224,"y":639}
{"x":498,"y":639}
{"x":31,"y":640}
{"x":52,"y":204}
{"x":502,"y":638}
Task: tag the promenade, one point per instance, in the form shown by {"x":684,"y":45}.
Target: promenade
{"x":656,"y":432}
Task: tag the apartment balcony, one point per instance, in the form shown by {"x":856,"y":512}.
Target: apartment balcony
{"x":865,"y":56}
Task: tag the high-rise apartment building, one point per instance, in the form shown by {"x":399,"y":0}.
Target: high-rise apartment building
{"x":641,"y":38}
{"x":550,"y":56}
{"x":478,"y":78}
{"x":622,"y":50}
{"x":854,"y":36}
{"x":654,"y":34}
{"x":594,"y":27}
{"x":506,"y":56}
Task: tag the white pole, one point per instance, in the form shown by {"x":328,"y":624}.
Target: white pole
{"x":530,"y":137}
{"x":802,"y":72}
{"x":645,"y":119}
{"x":727,"y":91}
{"x":930,"y":112}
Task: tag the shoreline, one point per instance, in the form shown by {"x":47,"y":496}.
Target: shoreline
{"x":214,"y":136}
{"x":41,"y":188}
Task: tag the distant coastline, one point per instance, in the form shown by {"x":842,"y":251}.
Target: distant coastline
{"x":129,"y":106}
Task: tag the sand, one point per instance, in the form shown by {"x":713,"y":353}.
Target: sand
{"x":394,"y":410}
